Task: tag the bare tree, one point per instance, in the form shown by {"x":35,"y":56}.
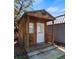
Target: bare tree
{"x":20,"y":6}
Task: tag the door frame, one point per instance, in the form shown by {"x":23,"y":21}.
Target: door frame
{"x":43,"y":32}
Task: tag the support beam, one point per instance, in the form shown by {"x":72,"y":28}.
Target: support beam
{"x":26,"y":42}
{"x":35,"y":31}
{"x":52,"y":31}
{"x":45,"y":32}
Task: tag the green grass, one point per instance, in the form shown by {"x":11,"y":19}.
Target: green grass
{"x":62,"y":57}
{"x":20,"y":57}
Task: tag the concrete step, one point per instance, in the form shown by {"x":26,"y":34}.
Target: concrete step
{"x":49,"y":54}
{"x":42,"y":50}
{"x":38,"y":46}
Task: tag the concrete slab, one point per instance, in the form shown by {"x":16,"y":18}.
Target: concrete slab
{"x":48,"y":53}
{"x":41,"y":50}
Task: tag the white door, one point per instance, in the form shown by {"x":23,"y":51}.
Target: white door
{"x":40,"y":32}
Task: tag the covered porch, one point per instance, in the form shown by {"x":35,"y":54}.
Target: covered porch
{"x":33,"y":29}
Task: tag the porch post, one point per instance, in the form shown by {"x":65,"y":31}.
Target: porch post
{"x":52,"y":31}
{"x":27,"y":34}
{"x":35,"y":31}
{"x":45,"y":32}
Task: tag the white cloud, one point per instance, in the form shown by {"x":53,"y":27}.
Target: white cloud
{"x":38,"y":1}
{"x":56,"y":11}
{"x":62,"y":10}
{"x":52,"y":9}
{"x":56,"y":8}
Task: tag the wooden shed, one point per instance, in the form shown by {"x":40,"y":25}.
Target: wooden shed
{"x":33,"y":28}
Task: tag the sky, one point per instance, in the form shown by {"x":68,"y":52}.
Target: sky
{"x":54,"y":7}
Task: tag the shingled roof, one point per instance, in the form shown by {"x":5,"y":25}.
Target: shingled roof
{"x":40,"y":14}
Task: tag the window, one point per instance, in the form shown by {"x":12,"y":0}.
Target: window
{"x":40,"y":27}
{"x":31,"y":27}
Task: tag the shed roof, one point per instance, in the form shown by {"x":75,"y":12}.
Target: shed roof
{"x":43,"y":14}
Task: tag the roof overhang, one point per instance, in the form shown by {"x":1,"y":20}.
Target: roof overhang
{"x":41,"y":14}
